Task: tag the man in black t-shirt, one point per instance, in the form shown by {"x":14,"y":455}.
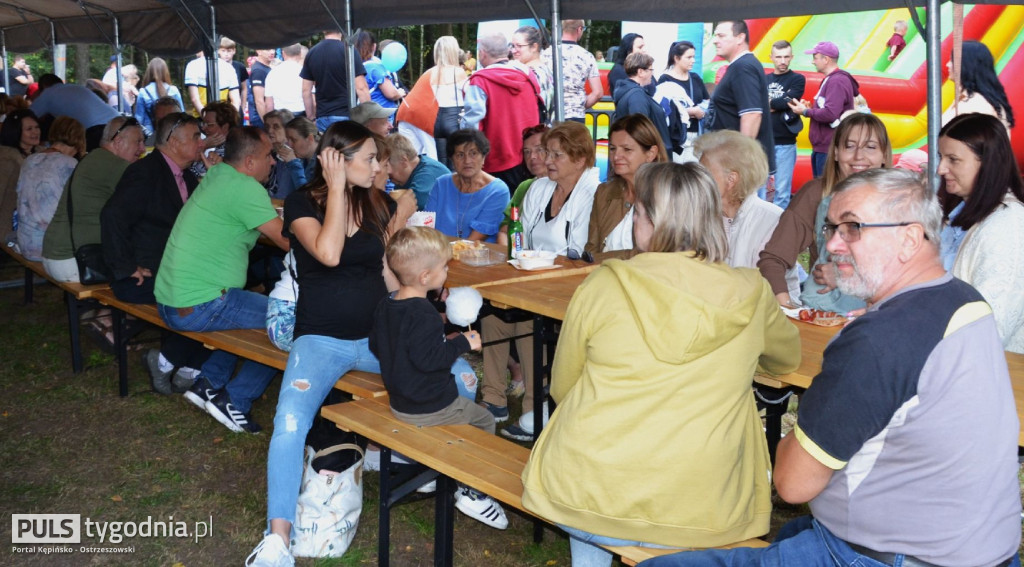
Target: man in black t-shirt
{"x":784,"y":85}
{"x":740,"y":100}
{"x":326,"y":67}
{"x":257,"y":82}
{"x":20,"y":77}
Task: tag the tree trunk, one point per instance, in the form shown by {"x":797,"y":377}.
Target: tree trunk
{"x":81,"y":63}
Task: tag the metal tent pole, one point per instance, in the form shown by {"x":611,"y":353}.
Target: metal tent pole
{"x":53,"y":45}
{"x":120,"y":77}
{"x":3,"y":50}
{"x":934,"y":58}
{"x":556,"y":60}
{"x":212,"y":79}
{"x":350,"y":58}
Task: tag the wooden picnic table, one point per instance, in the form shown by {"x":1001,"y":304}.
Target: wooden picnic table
{"x":464,"y":275}
{"x":550,"y":297}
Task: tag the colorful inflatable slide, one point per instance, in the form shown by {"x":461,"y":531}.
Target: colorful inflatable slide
{"x":894,"y":91}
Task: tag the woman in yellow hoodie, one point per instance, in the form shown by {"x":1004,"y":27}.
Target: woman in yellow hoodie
{"x":656,"y":439}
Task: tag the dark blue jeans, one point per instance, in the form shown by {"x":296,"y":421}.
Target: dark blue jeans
{"x":802,"y":542}
{"x":818,"y":163}
{"x":236,"y":309}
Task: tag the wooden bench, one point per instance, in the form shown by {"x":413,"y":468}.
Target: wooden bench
{"x":454,"y":453}
{"x":76,"y":298}
{"x":251,"y":344}
{"x":362,"y":384}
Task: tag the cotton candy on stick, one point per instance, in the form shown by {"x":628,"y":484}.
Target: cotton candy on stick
{"x":463,"y":305}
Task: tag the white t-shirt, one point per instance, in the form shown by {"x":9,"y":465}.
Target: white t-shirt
{"x":110,"y":77}
{"x":195,"y":76}
{"x":284,"y":85}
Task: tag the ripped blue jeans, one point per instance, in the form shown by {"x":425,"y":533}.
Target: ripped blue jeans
{"x":314,"y":365}
{"x":465,"y":378}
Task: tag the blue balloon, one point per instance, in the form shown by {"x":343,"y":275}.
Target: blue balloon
{"x":394,"y":57}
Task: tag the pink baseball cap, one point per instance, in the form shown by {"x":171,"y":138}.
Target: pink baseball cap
{"x":826,"y":48}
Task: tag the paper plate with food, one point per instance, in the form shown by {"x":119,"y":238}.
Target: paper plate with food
{"x":815,"y":316}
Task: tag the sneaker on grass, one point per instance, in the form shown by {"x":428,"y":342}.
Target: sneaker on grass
{"x":160,"y":380}
{"x":183,"y":379}
{"x":500,"y":413}
{"x":221,"y":408}
{"x":516,"y":389}
{"x":480,"y":507}
{"x":271,"y":552}
{"x":518,"y":433}
{"x":200,"y":393}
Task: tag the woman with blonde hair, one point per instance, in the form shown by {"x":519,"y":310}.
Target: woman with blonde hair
{"x":430,"y":112}
{"x":156,"y":84}
{"x":739,"y":166}
{"x":653,"y":366}
{"x":632,"y":141}
{"x":859,"y":142}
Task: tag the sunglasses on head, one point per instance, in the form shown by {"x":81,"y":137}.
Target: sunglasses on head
{"x":128,"y":123}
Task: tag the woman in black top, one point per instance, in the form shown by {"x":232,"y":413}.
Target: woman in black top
{"x":631,"y":43}
{"x":681,"y":58}
{"x":338,"y":227}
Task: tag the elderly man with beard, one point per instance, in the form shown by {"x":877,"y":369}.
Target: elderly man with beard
{"x":905,"y":443}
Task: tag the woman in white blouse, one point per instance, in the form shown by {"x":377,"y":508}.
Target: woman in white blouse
{"x":556,"y":211}
{"x":739,"y":166}
{"x":981,"y":195}
{"x":555,"y":216}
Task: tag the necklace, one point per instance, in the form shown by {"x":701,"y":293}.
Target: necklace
{"x":460,"y":213}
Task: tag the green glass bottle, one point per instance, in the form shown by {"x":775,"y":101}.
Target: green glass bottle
{"x":515,"y":234}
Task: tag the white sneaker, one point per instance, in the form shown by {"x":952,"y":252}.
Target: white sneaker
{"x":371,"y":460}
{"x":428,"y":488}
{"x":271,"y":552}
{"x":480,"y":507}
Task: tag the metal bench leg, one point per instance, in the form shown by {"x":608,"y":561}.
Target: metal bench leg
{"x":384,"y":511}
{"x":538,"y":375}
{"x":29,"y":281}
{"x":121,"y":344}
{"x":775,"y":403}
{"x":444,"y":521}
{"x":73,"y":331}
{"x":538,"y":399}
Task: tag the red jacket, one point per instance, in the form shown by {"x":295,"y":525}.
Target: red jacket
{"x":512,"y":99}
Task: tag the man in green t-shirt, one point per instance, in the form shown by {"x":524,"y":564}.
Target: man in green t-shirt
{"x":202,"y":273}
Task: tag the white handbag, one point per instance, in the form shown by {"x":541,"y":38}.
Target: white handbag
{"x":327,"y":513}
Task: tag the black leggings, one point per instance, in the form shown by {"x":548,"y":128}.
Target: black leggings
{"x":447,"y":122}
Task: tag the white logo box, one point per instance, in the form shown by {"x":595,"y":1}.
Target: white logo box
{"x":46,"y":528}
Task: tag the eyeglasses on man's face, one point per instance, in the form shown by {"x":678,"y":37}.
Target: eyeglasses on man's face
{"x":850,"y":231}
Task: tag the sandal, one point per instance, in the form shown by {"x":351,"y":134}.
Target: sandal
{"x":102,"y":336}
